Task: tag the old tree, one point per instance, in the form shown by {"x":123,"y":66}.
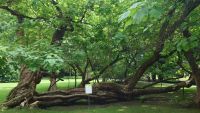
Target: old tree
{"x":99,"y":40}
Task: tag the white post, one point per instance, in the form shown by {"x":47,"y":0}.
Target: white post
{"x":88,"y":90}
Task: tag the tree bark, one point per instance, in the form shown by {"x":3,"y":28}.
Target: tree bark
{"x":53,"y":82}
{"x":25,"y":89}
{"x":83,"y":74}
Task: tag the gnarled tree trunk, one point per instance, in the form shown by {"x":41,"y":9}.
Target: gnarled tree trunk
{"x":25,"y":89}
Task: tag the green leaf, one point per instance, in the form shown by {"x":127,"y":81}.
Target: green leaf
{"x":140,"y":15}
{"x":124,"y":16}
{"x":128,"y":22}
{"x":135,"y":5}
{"x":155,"y":13}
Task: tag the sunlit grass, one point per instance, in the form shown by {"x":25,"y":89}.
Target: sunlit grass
{"x":66,"y":84}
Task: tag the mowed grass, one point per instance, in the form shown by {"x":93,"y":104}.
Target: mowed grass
{"x":122,"y":107}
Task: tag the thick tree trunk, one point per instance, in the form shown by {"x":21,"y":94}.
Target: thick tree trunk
{"x":25,"y":89}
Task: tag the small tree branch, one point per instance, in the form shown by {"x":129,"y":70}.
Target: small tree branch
{"x":105,"y":68}
{"x":19,"y":15}
{"x":58,"y":9}
{"x":180,"y":64}
{"x":165,"y":80}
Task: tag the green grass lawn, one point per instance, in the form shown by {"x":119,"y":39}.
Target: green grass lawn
{"x":171,"y":106}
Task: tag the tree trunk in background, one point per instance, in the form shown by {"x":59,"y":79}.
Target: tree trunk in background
{"x":153,"y":77}
{"x":53,"y":82}
{"x":25,"y":89}
{"x":84,"y":80}
{"x":160,"y":78}
{"x":75,"y":74}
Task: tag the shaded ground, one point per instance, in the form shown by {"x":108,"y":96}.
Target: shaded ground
{"x":123,"y":107}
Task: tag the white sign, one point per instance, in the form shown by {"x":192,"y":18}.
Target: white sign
{"x":88,"y":89}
